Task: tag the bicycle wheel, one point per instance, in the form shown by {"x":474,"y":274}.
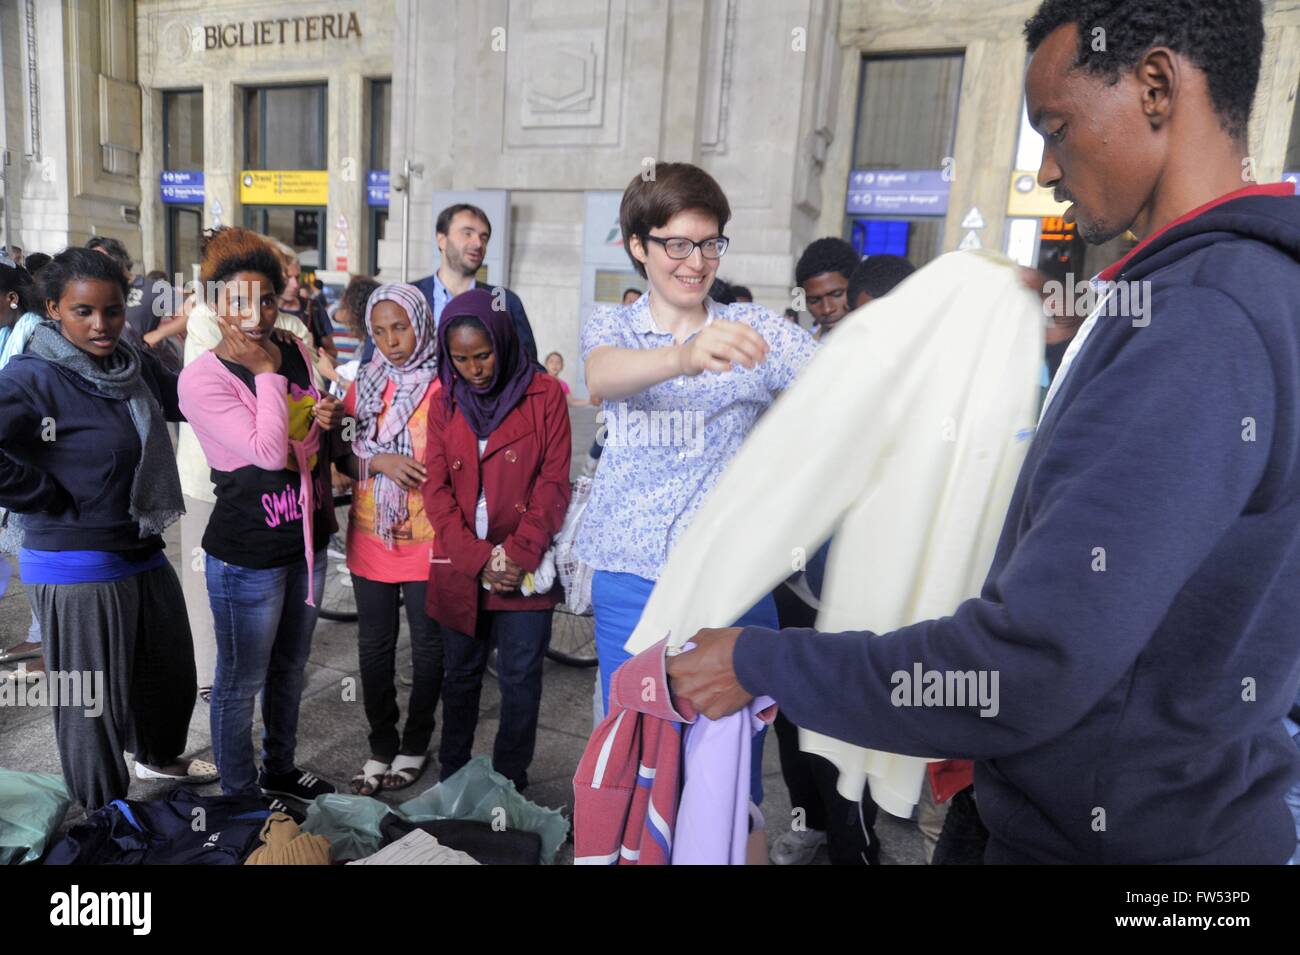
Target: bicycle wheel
{"x":573,"y":638}
{"x":339,"y":602}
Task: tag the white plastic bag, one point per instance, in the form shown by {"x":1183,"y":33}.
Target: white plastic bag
{"x":575,"y":576}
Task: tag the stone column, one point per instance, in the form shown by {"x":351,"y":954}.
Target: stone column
{"x":346,"y":159}
{"x":223,"y":138}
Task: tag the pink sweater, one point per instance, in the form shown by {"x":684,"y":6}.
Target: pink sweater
{"x":236,"y":427}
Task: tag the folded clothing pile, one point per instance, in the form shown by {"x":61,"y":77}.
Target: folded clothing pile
{"x":478,"y":840}
{"x":183,"y":829}
{"x":416,"y":848}
{"x":283,"y":843}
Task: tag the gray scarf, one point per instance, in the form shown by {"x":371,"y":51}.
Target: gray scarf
{"x":156,"y":488}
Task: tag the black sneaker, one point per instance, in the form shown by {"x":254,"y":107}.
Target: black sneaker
{"x":297,"y":784}
{"x":279,"y":805}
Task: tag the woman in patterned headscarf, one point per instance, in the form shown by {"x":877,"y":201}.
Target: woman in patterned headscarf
{"x":389,"y":536}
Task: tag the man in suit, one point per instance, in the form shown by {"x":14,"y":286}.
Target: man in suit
{"x":463,"y":232}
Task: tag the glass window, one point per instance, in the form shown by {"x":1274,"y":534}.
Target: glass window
{"x":1029,"y":144}
{"x":381,"y":115}
{"x":907,"y":111}
{"x":298,"y":227}
{"x":917,"y":239}
{"x":184,"y":241}
{"x":378,"y":228}
{"x":907,"y":120}
{"x":183,"y":129}
{"x":1292,"y":163}
{"x":284,"y":127}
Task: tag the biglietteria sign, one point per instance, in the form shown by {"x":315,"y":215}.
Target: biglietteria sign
{"x":311,"y":29}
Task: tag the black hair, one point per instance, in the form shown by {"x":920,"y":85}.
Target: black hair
{"x":35,"y":261}
{"x":877,"y":275}
{"x":635,"y":291}
{"x":739,"y":291}
{"x":826,"y":255}
{"x":73,"y":264}
{"x":354,"y":300}
{"x":468,"y":321}
{"x":113,"y":248}
{"x":721,"y":292}
{"x":1223,"y":39}
{"x":443,"y":224}
{"x":16,"y":279}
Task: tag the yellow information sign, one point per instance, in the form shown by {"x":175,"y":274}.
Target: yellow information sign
{"x":1027,"y":199}
{"x":284,"y":187}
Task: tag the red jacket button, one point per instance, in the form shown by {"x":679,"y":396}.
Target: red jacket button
{"x":511,"y":457}
{"x":455,"y":465}
{"x":521,"y":508}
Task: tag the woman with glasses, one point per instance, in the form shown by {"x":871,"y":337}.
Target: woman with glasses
{"x":683,"y":380}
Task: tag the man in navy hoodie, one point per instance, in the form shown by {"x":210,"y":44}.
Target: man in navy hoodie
{"x":1141,"y":610}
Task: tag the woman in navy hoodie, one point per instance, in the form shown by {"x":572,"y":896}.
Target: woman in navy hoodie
{"x":86,"y":463}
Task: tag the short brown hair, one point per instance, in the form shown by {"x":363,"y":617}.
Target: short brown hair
{"x":673,"y":187}
{"x":443,"y":225}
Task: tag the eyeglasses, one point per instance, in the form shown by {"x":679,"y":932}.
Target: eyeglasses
{"x":679,"y":247}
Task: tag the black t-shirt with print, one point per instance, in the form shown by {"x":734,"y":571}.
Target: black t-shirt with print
{"x":257,"y":520}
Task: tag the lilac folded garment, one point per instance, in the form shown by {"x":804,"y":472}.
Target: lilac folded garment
{"x":713,"y":816}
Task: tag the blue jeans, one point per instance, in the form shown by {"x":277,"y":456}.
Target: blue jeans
{"x":521,"y":638}
{"x":618,"y":600}
{"x":263,"y":628}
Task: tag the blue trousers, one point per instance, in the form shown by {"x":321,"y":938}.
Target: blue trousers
{"x":263,"y":629}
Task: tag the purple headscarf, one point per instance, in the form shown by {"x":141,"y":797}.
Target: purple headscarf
{"x":485,"y":409}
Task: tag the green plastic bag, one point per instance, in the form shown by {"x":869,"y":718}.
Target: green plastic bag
{"x":477,"y":792}
{"x":31,"y":807}
{"x":350,"y":823}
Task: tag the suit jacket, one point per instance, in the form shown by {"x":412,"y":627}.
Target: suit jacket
{"x":525,"y":474}
{"x":513,"y":304}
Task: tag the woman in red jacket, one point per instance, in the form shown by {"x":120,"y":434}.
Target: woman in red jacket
{"x":497,"y":490}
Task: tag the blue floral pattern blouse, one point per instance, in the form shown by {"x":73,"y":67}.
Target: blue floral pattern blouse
{"x":666,"y":446}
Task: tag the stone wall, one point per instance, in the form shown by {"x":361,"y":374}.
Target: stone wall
{"x":551,"y":98}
